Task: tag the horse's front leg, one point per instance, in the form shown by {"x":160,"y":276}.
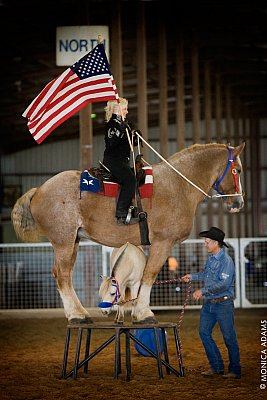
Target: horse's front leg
{"x":134,"y":294}
{"x":62,"y":271}
{"x":120,"y":312}
{"x":159,"y":252}
{"x":119,"y":319}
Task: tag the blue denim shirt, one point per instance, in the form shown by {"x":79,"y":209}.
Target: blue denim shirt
{"x":218,"y":276}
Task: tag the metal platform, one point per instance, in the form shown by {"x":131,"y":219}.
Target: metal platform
{"x":126,"y":329}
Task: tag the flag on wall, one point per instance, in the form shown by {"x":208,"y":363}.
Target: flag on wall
{"x":88,"y":80}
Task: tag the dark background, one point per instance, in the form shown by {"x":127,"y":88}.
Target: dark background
{"x":232,"y":36}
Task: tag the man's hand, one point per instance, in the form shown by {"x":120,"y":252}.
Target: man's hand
{"x":186,"y":278}
{"x":197,"y":294}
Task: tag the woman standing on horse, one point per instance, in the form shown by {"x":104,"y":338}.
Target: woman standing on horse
{"x":117,"y":157}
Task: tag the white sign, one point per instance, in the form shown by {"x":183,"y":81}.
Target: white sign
{"x":74,"y":42}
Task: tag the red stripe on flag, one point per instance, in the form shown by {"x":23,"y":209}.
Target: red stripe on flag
{"x":89,"y":80}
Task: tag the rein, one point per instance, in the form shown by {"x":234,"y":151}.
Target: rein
{"x":193,"y":184}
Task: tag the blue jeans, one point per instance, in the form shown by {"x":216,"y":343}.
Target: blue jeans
{"x":223,"y":313}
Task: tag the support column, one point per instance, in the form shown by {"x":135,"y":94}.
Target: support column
{"x":207,"y":96}
{"x":218,"y":122}
{"x":180,"y":95}
{"x":86,"y":137}
{"x":163,"y":92}
{"x":208,"y":133}
{"x":116,"y":47}
{"x":195,"y":118}
{"x":195,"y":94}
{"x":142,"y":121}
{"x":228,"y":110}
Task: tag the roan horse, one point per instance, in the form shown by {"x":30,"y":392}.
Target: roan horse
{"x":127,"y":267}
{"x":56,"y":211}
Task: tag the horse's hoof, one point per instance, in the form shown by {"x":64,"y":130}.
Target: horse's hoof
{"x":146,"y":321}
{"x":118,"y":322}
{"x":86,"y":320}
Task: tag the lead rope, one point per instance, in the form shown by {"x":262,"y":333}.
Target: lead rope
{"x":181,"y":316}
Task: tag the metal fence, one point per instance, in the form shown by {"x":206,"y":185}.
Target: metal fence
{"x":26,"y":280}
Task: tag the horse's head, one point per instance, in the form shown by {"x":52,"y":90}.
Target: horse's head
{"x":228,"y":185}
{"x":109,"y":294}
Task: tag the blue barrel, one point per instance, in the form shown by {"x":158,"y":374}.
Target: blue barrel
{"x":147,"y":337}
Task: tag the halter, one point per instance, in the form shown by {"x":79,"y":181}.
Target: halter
{"x":115,"y":284}
{"x":230,"y":163}
{"x":106,"y":304}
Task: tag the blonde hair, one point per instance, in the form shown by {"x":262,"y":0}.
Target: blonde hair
{"x":113,"y":107}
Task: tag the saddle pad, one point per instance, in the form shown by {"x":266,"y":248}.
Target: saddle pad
{"x":88,"y":182}
{"x":91,"y":184}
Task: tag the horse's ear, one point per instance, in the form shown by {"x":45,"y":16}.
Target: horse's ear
{"x":103,"y":277}
{"x":238,"y":149}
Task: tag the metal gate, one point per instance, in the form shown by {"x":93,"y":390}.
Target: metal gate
{"x":26,"y":280}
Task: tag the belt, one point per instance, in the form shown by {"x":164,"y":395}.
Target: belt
{"x":219,"y":300}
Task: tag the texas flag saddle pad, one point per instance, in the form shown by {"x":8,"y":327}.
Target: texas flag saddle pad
{"x":91,"y":184}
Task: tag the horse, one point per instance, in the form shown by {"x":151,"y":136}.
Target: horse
{"x":57,"y":211}
{"x":127,"y":267}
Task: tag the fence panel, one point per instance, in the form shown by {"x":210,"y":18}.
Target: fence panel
{"x":26,"y":279}
{"x":253,"y":264}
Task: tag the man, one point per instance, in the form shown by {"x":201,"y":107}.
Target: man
{"x":117,"y":156}
{"x":218,"y":291}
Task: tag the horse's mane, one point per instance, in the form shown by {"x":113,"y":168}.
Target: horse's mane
{"x":106,"y":282}
{"x":194,"y":148}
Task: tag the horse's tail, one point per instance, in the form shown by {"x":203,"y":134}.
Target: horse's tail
{"x":22,"y":219}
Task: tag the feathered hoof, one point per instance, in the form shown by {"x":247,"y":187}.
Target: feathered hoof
{"x":86,"y":320}
{"x":146,"y":321}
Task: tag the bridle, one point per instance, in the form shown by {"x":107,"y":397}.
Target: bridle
{"x":115,"y":284}
{"x":230,"y":164}
{"x":117,"y":295}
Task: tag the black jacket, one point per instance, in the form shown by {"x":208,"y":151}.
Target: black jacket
{"x":116,"y":140}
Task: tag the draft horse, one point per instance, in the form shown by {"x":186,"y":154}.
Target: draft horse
{"x":56,"y":211}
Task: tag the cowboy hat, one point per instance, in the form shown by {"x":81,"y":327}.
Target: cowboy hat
{"x":214,"y":234}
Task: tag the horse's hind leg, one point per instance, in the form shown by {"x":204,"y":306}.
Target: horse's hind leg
{"x":64,"y":260}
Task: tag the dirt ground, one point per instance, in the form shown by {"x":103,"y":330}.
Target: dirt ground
{"x":31,"y":356}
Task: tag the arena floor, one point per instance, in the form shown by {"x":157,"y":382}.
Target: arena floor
{"x":31,"y":355}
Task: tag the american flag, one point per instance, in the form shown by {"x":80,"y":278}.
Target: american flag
{"x":88,"y":80}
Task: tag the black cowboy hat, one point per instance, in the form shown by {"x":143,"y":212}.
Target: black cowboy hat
{"x":214,"y":234}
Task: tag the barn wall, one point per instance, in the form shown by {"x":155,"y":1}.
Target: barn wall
{"x":30,"y":168}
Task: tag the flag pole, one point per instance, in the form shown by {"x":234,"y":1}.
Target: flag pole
{"x":100,"y":41}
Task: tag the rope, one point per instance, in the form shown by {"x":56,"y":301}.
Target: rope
{"x":170,"y":165}
{"x":183,"y":176}
{"x":187,"y":297}
{"x":181,"y":316}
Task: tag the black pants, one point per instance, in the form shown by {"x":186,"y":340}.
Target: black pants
{"x":124,"y":175}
